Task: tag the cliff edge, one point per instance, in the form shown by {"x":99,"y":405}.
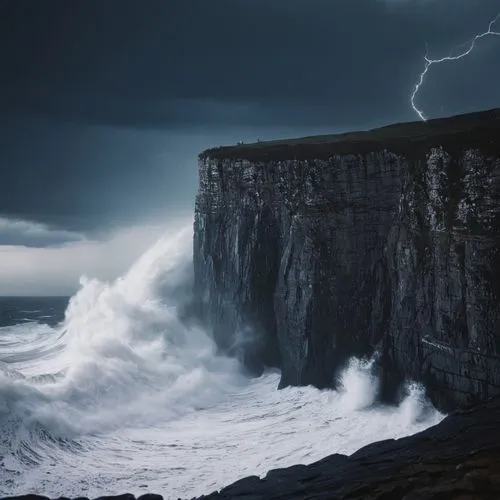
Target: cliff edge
{"x":310,"y":251}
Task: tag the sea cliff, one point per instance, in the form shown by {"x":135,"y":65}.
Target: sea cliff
{"x":384,"y":242}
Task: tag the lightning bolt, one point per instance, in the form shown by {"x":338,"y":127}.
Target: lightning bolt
{"x":430,"y":62}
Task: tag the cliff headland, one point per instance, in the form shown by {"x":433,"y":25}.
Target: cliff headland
{"x":383,"y":242}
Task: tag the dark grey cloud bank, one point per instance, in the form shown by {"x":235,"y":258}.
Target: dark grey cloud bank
{"x":126,"y":61}
{"x":105,"y":104}
{"x":29,"y":234}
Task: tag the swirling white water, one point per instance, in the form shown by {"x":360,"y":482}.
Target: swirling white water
{"x":123,"y":396}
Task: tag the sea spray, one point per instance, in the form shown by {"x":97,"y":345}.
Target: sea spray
{"x":358,"y":386}
{"x":122,"y":353}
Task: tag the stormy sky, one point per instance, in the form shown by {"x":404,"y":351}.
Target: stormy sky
{"x":104,"y":106}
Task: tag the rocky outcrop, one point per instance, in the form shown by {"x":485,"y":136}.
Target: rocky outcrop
{"x":457,"y":459}
{"x":309,"y":251}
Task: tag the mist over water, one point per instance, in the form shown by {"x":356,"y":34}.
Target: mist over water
{"x":124,"y":396}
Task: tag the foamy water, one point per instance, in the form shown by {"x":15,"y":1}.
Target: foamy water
{"x":124,"y":397}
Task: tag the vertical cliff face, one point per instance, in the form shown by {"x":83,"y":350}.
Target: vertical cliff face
{"x":310,"y":251}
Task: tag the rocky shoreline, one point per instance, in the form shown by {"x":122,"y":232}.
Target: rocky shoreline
{"x":459,"y":458}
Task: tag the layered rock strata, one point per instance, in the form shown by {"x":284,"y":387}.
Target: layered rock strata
{"x":310,"y":251}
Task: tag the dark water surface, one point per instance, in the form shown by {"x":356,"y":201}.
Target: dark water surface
{"x":16,"y":310}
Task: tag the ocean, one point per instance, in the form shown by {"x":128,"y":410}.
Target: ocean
{"x":112,"y":391}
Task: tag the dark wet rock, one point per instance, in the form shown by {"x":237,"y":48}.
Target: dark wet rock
{"x":458,"y":458}
{"x":310,"y":251}
{"x":124,"y":496}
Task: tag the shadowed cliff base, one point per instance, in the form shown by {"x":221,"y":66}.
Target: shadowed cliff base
{"x":473,"y":130}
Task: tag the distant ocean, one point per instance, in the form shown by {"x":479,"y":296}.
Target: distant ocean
{"x":19,"y":310}
{"x":109,"y":391}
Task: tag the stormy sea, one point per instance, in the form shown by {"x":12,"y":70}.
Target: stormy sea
{"x":114,"y":390}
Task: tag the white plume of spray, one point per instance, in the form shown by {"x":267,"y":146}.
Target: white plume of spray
{"x":359,"y":390}
{"x":126,"y":355}
{"x":358,"y":385}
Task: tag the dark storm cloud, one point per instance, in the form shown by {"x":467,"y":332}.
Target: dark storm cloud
{"x":104,"y":104}
{"x":81,"y":177}
{"x":29,"y":234}
{"x":129,"y":62}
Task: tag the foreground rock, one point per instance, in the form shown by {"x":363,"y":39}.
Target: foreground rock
{"x":457,"y":459}
{"x":309,"y":251}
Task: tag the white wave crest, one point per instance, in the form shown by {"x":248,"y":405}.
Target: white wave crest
{"x":125,"y":354}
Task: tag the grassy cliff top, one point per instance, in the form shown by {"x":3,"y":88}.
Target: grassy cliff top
{"x":480,"y":129}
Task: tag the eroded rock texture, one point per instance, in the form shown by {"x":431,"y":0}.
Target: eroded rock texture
{"x":310,"y":251}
